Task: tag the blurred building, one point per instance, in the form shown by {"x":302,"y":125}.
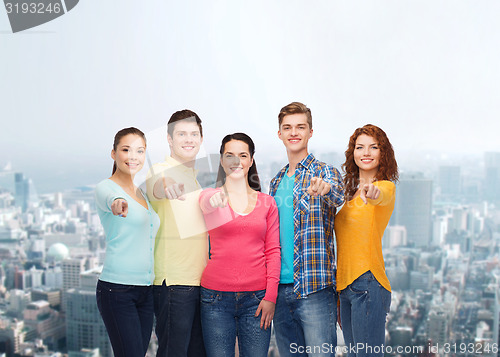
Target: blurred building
{"x":413,"y":208}
{"x":84,"y":326}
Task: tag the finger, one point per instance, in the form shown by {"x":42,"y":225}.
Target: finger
{"x":169,"y":193}
{"x":177,"y":190}
{"x":325,"y":188}
{"x":314,"y":184}
{"x":181,"y":192}
{"x":124,"y":209}
{"x":262,"y":321}
{"x":372,"y":191}
{"x":362,"y":195}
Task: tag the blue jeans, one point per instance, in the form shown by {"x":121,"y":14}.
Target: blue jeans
{"x":178,"y":324}
{"x":227,"y":315}
{"x":363,"y":309}
{"x":127,"y":312}
{"x":307,"y":326}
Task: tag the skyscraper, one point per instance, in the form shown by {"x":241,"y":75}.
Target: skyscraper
{"x":413,"y":208}
{"x":84,"y":326}
{"x":491,"y":189}
{"x":449,"y":181}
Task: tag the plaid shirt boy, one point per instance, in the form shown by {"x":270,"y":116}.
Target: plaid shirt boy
{"x":313,"y":219}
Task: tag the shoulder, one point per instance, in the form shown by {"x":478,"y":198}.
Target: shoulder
{"x":266,"y":200}
{"x":384,"y":184}
{"x":279,"y":174}
{"x":105,"y":185}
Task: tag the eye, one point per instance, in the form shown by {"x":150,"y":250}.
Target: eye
{"x":125,"y":149}
{"x":141,"y":151}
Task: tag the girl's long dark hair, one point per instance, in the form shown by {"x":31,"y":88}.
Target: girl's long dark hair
{"x":253,"y":176}
{"x":124,"y":132}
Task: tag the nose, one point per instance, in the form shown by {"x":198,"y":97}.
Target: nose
{"x":132,"y":155}
{"x":294,"y":131}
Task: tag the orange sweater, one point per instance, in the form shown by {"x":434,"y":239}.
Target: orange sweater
{"x":359,"y":229}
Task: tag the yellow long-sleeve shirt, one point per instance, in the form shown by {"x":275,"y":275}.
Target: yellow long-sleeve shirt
{"x":359,"y":229}
{"x":181,"y":245}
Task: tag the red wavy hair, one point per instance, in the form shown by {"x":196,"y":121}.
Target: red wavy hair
{"x":388,"y":168}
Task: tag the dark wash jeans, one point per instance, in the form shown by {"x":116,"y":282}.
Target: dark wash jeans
{"x":178,"y":322}
{"x":226,"y":316}
{"x":363,"y":309}
{"x":127,"y":312}
{"x":306,"y":327}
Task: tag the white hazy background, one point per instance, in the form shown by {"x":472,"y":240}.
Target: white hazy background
{"x":427,"y":72}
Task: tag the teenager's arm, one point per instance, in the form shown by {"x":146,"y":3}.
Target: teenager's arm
{"x":386,"y":196}
{"x":334,"y":197}
{"x":211,"y":199}
{"x":272,"y":251}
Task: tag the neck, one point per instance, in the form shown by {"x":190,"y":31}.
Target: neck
{"x":366,"y":177}
{"x":294,"y":158}
{"x":123,"y":179}
{"x":237,"y":186}
{"x":188,"y":163}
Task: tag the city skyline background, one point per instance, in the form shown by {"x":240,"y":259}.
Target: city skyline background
{"x":425,"y":72}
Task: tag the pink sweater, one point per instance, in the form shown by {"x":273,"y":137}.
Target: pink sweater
{"x":244,"y":249}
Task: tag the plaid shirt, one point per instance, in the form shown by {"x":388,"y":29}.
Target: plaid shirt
{"x":313,"y":216}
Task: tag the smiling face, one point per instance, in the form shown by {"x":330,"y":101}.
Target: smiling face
{"x":295,"y":133}
{"x":185,"y":141}
{"x":129,"y":154}
{"x":367,"y":154}
{"x":236,"y":159}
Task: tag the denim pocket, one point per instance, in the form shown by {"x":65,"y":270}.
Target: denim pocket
{"x":208,"y":296}
{"x":181,"y":288}
{"x":259,"y":295}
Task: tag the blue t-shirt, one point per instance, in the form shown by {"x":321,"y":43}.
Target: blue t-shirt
{"x":284,"y":201}
{"x":129,"y":240}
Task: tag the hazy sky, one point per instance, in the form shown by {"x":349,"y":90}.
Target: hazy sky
{"x":427,"y":72}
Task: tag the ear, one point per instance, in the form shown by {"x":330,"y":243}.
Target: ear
{"x":311,"y":133}
{"x":170,"y":140}
{"x":113,"y":155}
{"x":279,"y":134}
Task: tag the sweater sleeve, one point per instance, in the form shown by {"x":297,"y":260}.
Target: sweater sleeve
{"x":272,"y":251}
{"x":387,"y":192}
{"x":204,"y":200}
{"x":105,"y":195}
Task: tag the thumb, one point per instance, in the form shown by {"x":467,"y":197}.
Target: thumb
{"x":259,"y":309}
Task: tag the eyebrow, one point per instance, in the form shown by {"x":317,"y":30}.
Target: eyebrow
{"x":232,"y":153}
{"x":127,"y":146}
